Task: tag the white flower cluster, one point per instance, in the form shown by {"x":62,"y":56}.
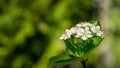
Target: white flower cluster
{"x":83,"y":30}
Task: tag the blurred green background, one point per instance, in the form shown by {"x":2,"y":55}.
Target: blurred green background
{"x":30,"y":31}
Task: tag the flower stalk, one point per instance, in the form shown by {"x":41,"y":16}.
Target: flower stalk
{"x":84,"y":63}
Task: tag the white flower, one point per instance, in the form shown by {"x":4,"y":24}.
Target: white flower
{"x":89,"y":25}
{"x":93,"y":28}
{"x":96,"y":29}
{"x":79,"y":32}
{"x":100,"y":33}
{"x":63,"y":36}
{"x":86,"y":34}
{"x":73,"y":30}
{"x":66,"y":35}
{"x":84,"y":24}
{"x":83,"y":30}
{"x":78,"y":25}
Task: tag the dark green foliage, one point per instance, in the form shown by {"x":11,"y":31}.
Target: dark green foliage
{"x":64,"y":59}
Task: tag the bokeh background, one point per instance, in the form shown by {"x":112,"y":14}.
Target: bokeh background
{"x":30,"y":31}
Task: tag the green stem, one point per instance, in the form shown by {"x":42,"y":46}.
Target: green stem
{"x":84,"y":63}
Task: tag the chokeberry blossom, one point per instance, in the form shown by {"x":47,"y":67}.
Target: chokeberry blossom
{"x":82,"y":30}
{"x":80,"y":40}
{"x":96,"y":29}
{"x":66,"y":35}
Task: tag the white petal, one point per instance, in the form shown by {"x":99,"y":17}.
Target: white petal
{"x":77,"y":36}
{"x":79,"y":25}
{"x":80,"y":31}
{"x":73,"y":30}
{"x":86,"y":29}
{"x":62,"y":36}
{"x":98,"y":28}
{"x":84,"y":24}
{"x":89,"y":25}
{"x":84,"y":37}
{"x":66,"y":30}
{"x":93,"y":28}
{"x":68,"y":33}
{"x":99,"y":33}
{"x":89,"y":36}
{"x":68,"y":36}
{"x":65,"y":38}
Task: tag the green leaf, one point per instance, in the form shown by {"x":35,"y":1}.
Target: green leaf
{"x":71,"y":49}
{"x":69,"y":61}
{"x":59,"y":58}
{"x":90,"y":44}
{"x":64,"y":59}
{"x":96,"y":23}
{"x":97,"y":40}
{"x":71,"y":53}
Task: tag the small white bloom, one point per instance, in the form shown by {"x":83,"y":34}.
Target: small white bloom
{"x":72,"y":30}
{"x":78,"y":25}
{"x":84,"y":37}
{"x":63,"y":36}
{"x":83,"y":30}
{"x":100,"y":33}
{"x":86,"y":34}
{"x":77,"y":36}
{"x":79,"y":31}
{"x":66,"y":35}
{"x":96,"y":29}
{"x":89,"y":25}
{"x":93,"y":28}
{"x":83,"y":24}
